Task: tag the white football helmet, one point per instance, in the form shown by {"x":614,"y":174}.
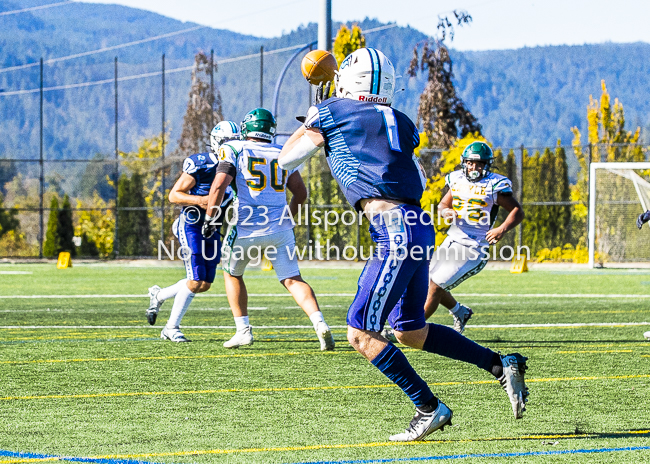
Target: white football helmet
{"x":366,"y":75}
{"x":222,"y":132}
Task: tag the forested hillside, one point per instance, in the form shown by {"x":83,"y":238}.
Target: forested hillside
{"x":531,"y":95}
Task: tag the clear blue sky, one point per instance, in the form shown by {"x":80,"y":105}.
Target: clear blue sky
{"x":498,"y":24}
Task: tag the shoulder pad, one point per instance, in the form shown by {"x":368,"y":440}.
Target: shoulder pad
{"x":454,"y":176}
{"x":226,"y":149}
{"x":500,"y":183}
{"x":189,"y":166}
{"x":312,"y":119}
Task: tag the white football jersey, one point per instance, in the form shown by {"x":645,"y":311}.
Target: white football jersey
{"x":260,"y":187}
{"x":475,"y":205}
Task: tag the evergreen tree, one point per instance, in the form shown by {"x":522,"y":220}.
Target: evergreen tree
{"x":134,"y":228}
{"x":563,"y":194}
{"x":88,"y":247}
{"x":141,"y":226}
{"x":8,"y":219}
{"x":66,"y":228}
{"x":51,"y":246}
{"x":125,"y":217}
{"x":203,"y":109}
{"x":442,"y":113}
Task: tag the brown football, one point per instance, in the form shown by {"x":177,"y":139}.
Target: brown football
{"x":319,"y":66}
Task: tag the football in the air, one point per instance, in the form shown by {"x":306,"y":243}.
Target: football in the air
{"x":319,"y":66}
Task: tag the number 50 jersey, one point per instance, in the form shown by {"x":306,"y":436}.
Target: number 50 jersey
{"x":475,"y":204}
{"x":260,"y":187}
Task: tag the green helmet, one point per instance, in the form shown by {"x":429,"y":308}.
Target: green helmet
{"x":259,"y":124}
{"x":477,"y":151}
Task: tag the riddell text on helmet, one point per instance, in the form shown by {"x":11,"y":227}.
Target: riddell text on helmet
{"x":372,"y":99}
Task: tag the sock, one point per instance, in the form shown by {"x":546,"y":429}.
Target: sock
{"x":497,"y":366}
{"x":171,"y":291}
{"x":394,"y":365}
{"x":455,"y":309}
{"x":241,"y":323}
{"x":431,"y":405}
{"x":315,"y":318}
{"x":446,"y":342}
{"x":181,"y":302}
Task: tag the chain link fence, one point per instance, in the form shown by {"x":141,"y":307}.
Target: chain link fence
{"x":116,"y":216}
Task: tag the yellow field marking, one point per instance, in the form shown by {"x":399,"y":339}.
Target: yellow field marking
{"x":298,"y":389}
{"x":596,"y":351}
{"x":204,"y":356}
{"x":550,"y":327}
{"x":17,"y":460}
{"x":347,"y":446}
{"x":289,"y":353}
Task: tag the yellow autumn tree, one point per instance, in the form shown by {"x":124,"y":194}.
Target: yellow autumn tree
{"x":347,"y":41}
{"x":607,"y":141}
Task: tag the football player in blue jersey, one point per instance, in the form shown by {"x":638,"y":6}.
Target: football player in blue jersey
{"x":369,"y":148}
{"x":201,"y":256}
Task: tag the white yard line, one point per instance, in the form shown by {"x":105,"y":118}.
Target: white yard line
{"x":491,"y":326}
{"x":200,"y":295}
{"x":288,"y":295}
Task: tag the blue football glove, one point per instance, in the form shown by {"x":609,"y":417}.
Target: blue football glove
{"x":642,"y":219}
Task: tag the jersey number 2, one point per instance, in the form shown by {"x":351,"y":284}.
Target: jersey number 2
{"x":391,"y":126}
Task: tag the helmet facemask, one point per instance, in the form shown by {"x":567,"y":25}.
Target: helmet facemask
{"x":476,"y":174}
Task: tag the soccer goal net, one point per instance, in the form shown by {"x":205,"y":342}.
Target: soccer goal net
{"x":618,"y":193}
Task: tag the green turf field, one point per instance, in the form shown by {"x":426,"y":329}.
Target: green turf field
{"x":83,"y":377}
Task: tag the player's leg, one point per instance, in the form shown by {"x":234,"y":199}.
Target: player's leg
{"x":451,"y":264}
{"x":191,"y":241}
{"x":157,"y":295}
{"x":234,"y":265}
{"x":439,"y":339}
{"x":437,"y":296}
{"x":288,"y":273}
{"x":364,"y":321}
{"x":381,"y":284}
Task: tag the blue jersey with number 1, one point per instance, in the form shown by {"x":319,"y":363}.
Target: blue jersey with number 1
{"x":369,"y":148}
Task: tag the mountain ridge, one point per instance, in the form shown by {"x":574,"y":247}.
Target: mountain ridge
{"x":531,"y":95}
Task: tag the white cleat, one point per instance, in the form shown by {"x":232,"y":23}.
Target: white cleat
{"x":154,"y":304}
{"x":389,"y":335}
{"x":241,"y":338}
{"x":325,"y":337}
{"x":424,"y":424}
{"x":647,"y":335}
{"x":174,"y":335}
{"x":512,"y":381}
{"x":460,"y":319}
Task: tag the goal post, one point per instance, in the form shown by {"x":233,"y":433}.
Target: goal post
{"x":618,"y":193}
